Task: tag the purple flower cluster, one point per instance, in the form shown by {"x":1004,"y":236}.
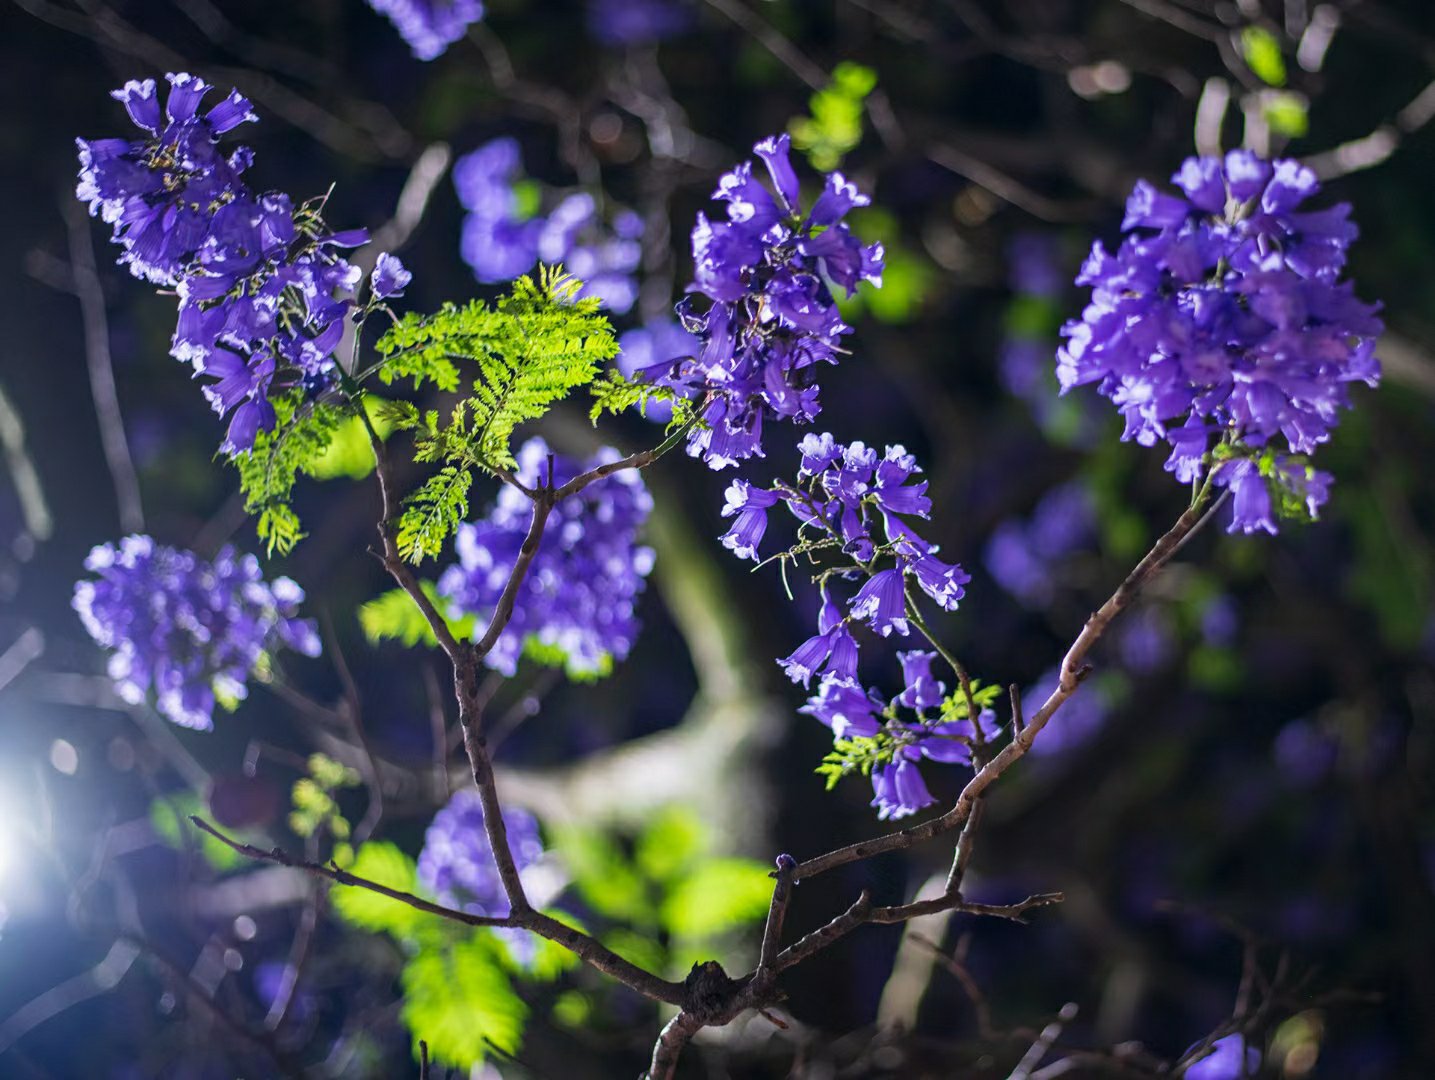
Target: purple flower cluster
{"x":185,"y":631}
{"x":841,"y":493}
{"x":854,"y":501}
{"x":637,"y":22}
{"x":262,"y":290}
{"x":430,"y":26}
{"x":456,"y":864}
{"x":1021,"y":556}
{"x":1222,"y":315}
{"x":772,"y":319}
{"x":852,"y":711}
{"x":502,"y":238}
{"x":579,"y":595}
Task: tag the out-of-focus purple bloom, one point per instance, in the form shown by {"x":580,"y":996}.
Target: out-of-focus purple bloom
{"x":1078,"y":720}
{"x":1034,"y":265}
{"x":1022,"y":556}
{"x":581,"y":590}
{"x":389,"y":277}
{"x":430,"y":26}
{"x":499,"y":243}
{"x":456,"y":864}
{"x":1304,"y":754}
{"x":183,"y":631}
{"x":655,"y":345}
{"x":1224,"y":312}
{"x":637,"y":22}
{"x":1144,"y":641}
{"x":771,"y":318}
{"x":1230,"y":1059}
{"x":1220,"y":621}
{"x":496,"y":243}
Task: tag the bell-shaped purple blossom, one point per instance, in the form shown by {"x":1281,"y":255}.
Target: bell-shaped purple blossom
{"x":185,"y":632}
{"x":771,"y":320}
{"x":429,"y":27}
{"x":1223,"y":311}
{"x":390,"y":277}
{"x":580,"y":594}
{"x":749,"y":505}
{"x":832,"y":649}
{"x":898,"y":790}
{"x":843,"y":705}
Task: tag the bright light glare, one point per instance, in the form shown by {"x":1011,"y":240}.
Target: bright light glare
{"x":64,"y":757}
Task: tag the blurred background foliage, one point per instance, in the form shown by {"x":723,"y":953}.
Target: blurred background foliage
{"x":1256,"y":748}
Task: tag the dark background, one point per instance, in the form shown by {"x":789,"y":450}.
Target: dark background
{"x":1324,"y":850}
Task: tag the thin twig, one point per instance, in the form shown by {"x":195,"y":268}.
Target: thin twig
{"x":91,"y":295}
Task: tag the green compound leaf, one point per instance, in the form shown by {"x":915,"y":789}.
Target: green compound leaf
{"x":384,"y":863}
{"x":433,"y":512}
{"x":460,"y":1001}
{"x":614,"y":393}
{"x":298,"y":442}
{"x":720,"y":895}
{"x":539,"y":342}
{"x":393,"y":616}
{"x":533,"y":348}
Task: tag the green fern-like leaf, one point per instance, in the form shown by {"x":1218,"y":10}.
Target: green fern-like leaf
{"x":535,"y":346}
{"x":297,"y":443}
{"x":614,"y":393}
{"x":433,"y":512}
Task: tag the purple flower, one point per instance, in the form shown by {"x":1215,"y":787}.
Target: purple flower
{"x":882,"y":603}
{"x":771,"y":318}
{"x":1228,"y":315}
{"x":183,"y":632}
{"x":750,"y":506}
{"x":832,"y":648}
{"x":898,"y":790}
{"x":456,"y":864}
{"x":263,"y":293}
{"x":580,"y":594}
{"x":389,"y":278}
{"x":636,"y":22}
{"x":429,"y":26}
{"x":923,"y":690}
{"x":1230,"y":1059}
{"x":843,"y":705}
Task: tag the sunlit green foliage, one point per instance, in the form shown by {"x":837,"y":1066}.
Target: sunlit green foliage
{"x":300,"y":438}
{"x":316,"y":810}
{"x":393,"y":616}
{"x":835,"y":127}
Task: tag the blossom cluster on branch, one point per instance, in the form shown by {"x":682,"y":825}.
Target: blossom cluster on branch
{"x":263,"y":290}
{"x":1222,"y":317}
